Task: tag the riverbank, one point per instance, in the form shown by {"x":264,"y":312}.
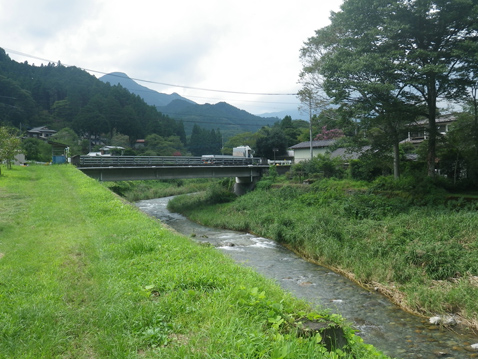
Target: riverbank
{"x":83,"y":274}
{"x":423,"y":257}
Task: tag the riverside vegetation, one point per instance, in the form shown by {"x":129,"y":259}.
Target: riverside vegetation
{"x":406,"y":239}
{"x":84,"y":274}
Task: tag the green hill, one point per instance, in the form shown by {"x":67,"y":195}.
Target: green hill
{"x":58,"y":96}
{"x":229,"y":119}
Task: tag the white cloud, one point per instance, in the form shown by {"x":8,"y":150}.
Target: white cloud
{"x":246,"y":46}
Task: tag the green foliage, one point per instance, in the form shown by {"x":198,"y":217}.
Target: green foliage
{"x":119,"y":187}
{"x":138,"y":190}
{"x":241,"y":139}
{"x":293,"y":129}
{"x":420,"y":191}
{"x":271,"y":142}
{"x":68,"y":137}
{"x":385,"y":232}
{"x":218,"y":193}
{"x":205,"y":142}
{"x":321,"y":166}
{"x":376,"y":207}
{"x":264,"y":184}
{"x":36,"y":150}
{"x":442,"y":260}
{"x":268,"y":180}
{"x":364,"y":170}
{"x":156,"y":145}
{"x":359,"y":66}
{"x":9,"y":145}
{"x":115,"y":284}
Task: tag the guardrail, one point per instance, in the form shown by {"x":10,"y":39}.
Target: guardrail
{"x":133,"y":161}
{"x":279,"y":163}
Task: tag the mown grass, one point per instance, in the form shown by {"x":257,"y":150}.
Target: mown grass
{"x":84,"y":274}
{"x":415,"y":247}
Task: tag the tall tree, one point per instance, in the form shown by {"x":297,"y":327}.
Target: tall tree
{"x":406,"y":51}
{"x":272,"y":143}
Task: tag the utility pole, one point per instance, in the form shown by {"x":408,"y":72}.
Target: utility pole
{"x":310,"y":129}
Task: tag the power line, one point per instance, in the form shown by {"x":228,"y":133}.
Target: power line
{"x":157,"y":82}
{"x":199,"y":88}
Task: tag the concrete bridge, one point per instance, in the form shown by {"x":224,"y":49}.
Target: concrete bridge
{"x":133,"y":168}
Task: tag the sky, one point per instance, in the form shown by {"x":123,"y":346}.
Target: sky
{"x":208,"y":51}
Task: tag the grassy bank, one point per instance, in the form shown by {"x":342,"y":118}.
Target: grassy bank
{"x":85,"y":275}
{"x":412,"y":245}
{"x":134,"y":191}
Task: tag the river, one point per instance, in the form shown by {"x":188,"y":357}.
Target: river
{"x":378,"y":321}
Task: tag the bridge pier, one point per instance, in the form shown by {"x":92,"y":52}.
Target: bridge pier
{"x":244,"y":185}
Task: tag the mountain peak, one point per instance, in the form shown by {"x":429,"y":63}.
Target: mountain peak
{"x":149,"y":96}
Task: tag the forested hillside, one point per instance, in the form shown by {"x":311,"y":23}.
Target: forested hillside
{"x":57,"y":96}
{"x":229,"y":119}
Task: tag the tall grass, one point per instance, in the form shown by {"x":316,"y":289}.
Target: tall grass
{"x":85,"y":275}
{"x":419,"y":249}
{"x":135,"y":191}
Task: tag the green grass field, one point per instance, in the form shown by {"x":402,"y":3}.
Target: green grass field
{"x":84,"y":274}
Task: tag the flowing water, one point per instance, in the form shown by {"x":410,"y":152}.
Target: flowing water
{"x":378,"y":321}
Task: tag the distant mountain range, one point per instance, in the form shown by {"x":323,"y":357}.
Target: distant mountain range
{"x":294,"y":113}
{"x":228,"y":119}
{"x":149,"y":96}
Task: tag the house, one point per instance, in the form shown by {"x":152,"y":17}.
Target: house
{"x":108,"y":151}
{"x":139,"y":143}
{"x":42,"y":133}
{"x":418,"y":130}
{"x":302,"y":150}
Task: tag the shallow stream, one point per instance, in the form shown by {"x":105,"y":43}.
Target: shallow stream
{"x":378,"y":321}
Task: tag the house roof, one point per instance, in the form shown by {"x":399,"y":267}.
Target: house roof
{"x":347,"y":155}
{"x":315,"y":144}
{"x":441,"y":119}
{"x":41,"y":129}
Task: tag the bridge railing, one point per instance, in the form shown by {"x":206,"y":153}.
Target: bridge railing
{"x":123,"y":161}
{"x":132,"y":161}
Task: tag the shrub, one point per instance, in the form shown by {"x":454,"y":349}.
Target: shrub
{"x":321,"y":166}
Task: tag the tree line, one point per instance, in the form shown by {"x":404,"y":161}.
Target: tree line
{"x":388,"y":64}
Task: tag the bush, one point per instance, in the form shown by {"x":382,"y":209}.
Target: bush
{"x":321,"y":166}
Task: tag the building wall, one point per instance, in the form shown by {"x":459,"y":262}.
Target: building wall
{"x":19,"y":159}
{"x":304,"y":154}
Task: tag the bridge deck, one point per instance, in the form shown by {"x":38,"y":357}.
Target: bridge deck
{"x":132,"y":161}
{"x":171,"y":172}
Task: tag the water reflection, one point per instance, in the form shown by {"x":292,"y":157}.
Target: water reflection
{"x":379,"y":322}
